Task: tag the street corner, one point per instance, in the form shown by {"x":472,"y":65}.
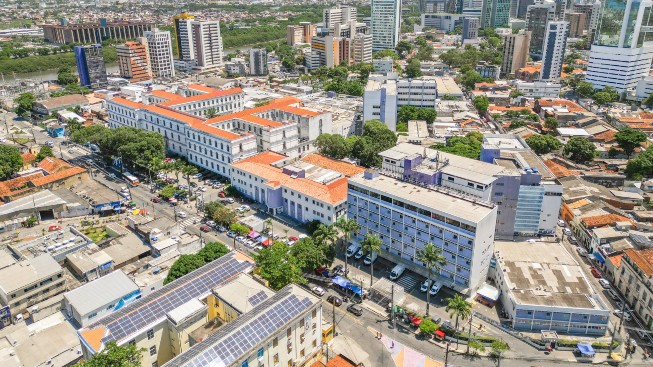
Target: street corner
{"x":404,"y":356}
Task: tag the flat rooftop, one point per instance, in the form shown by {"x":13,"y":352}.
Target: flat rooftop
{"x":544,"y":274}
{"x":243,"y":293}
{"x":438,"y":201}
{"x":447,"y":85}
{"x":23,"y":273}
{"x":100,"y":292}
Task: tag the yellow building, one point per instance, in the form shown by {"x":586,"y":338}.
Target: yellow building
{"x":230,"y":300}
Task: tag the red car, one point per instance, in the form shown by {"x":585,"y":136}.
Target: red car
{"x":156,"y":199}
{"x":222,"y":194}
{"x":596,"y":273}
{"x":205,"y":228}
{"x":54,"y":228}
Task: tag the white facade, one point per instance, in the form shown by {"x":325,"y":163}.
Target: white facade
{"x":618,"y":67}
{"x":384,"y":65}
{"x":555,"y":42}
{"x":185,"y":34}
{"x":386,"y":22}
{"x":362,"y":48}
{"x":644,"y":88}
{"x":340,"y":15}
{"x":442,"y":21}
{"x":258,"y":61}
{"x":208,"y":45}
{"x":539,"y":89}
{"x":160,"y":51}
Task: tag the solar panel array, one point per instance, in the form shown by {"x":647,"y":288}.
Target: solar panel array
{"x":156,"y":305}
{"x":258,"y":298}
{"x":237,"y":338}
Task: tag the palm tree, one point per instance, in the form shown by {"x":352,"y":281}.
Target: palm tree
{"x":432,"y":258}
{"x":348,"y":228}
{"x":268,"y":224}
{"x":370,"y":245}
{"x":326,"y":234}
{"x":156,"y":164}
{"x":457,"y":305}
{"x":188,"y":170}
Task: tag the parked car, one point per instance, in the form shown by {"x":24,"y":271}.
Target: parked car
{"x":335,"y":300}
{"x":197,"y":175}
{"x":221,"y":229}
{"x":181,"y":214}
{"x":581,"y":251}
{"x":221,"y":194}
{"x":613,"y":294}
{"x":231,"y":200}
{"x":604,"y":283}
{"x":626,"y":314}
{"x":596,"y":272}
{"x":231,"y":234}
{"x":202,"y":189}
{"x":240,"y":238}
{"x":426,"y":285}
{"x":561,"y":223}
{"x":355,"y":309}
{"x":318,"y":291}
{"x":50,"y":144}
{"x":435,"y":288}
{"x":205,"y":228}
{"x":156,"y":199}
{"x":340,"y":270}
{"x":359,"y":255}
{"x":210,"y":223}
{"x":53,"y":228}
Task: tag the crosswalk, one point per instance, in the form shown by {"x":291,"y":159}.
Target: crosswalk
{"x":189,"y":221}
{"x":407,"y":281}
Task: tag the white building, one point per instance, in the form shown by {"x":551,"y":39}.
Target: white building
{"x":386,"y":22}
{"x":383,"y":97}
{"x":160,"y":52}
{"x":619,"y":57}
{"x":311,"y":188}
{"x":539,"y":89}
{"x":184,"y":32}
{"x":208,"y":45}
{"x":258,"y":61}
{"x":384,"y":65}
{"x":542,"y":287}
{"x":92,"y":301}
{"x":442,"y":21}
{"x":555,"y":42}
{"x":340,"y":15}
{"x":406,"y":217}
{"x":361,"y":48}
{"x":644,"y":88}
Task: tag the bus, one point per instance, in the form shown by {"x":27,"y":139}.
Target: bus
{"x":133,"y":180}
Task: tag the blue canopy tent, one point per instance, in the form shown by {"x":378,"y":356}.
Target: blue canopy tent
{"x":356,"y":289}
{"x":585,"y":350}
{"x":341,"y":281}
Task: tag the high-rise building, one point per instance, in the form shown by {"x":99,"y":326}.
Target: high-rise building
{"x":159,"y":45}
{"x":348,"y":30}
{"x":309,"y":30}
{"x":386,"y":20}
{"x":495,"y":13}
{"x":134,"y":60}
{"x":470,"y":28}
{"x":208,"y":45}
{"x":294,"y":34}
{"x":577,"y":24}
{"x":555,"y":43}
{"x":440,"y":6}
{"x":94,"y":32}
{"x":340,"y":15}
{"x":622,"y":52}
{"x":184,"y":36}
{"x":515,"y":52}
{"x":329,"y":51}
{"x":592,"y":11}
{"x":537,"y":17}
{"x":258,"y":61}
{"x":362,"y":48}
{"x":90,"y":66}
{"x":522,"y":8}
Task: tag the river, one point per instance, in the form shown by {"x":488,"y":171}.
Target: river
{"x":111,"y":68}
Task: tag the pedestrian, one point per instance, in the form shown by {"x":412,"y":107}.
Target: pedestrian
{"x":393,"y":344}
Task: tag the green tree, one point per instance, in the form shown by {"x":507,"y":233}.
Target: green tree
{"x":278,"y":267}
{"x":470,"y":78}
{"x":579,"y":149}
{"x":413,"y":69}
{"x":10,"y":161}
{"x":239,"y":229}
{"x":44,"y":152}
{"x":602,"y":98}
{"x":427,"y":327}
{"x":212,"y":251}
{"x":332,"y":145}
{"x":465,"y":146}
{"x":551,"y":124}
{"x":459,"y":307}
{"x":326,"y":234}
{"x":385,"y":53}
{"x":407,"y":113}
{"x":481,"y":103}
{"x":127,"y":355}
{"x":211,"y":112}
{"x":543,"y":144}
{"x":349,"y":227}
{"x":648,"y":102}
{"x":224,"y":216}
{"x":404,"y":49}
{"x":432,"y":258}
{"x":65,"y":77}
{"x":585,"y":89}
{"x":188,"y":170}
{"x":568,"y":69}
{"x":370,"y":245}
{"x":89,"y":134}
{"x":499,"y":347}
{"x":628,"y":139}
{"x":572,"y":57}
{"x":425,"y":53}
{"x":182,"y":266}
{"x":24,"y":103}
{"x":309,"y":254}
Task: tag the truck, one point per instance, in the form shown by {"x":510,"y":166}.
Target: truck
{"x":397,"y":271}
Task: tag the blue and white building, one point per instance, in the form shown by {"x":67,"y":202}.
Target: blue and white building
{"x":91,"y":68}
{"x":406,"y":216}
{"x":555,"y":42}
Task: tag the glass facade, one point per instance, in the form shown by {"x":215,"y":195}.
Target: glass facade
{"x":612,"y":18}
{"x":529,"y":206}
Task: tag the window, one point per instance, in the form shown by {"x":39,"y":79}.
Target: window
{"x":288,"y":332}
{"x":260,"y":354}
{"x":150,"y":334}
{"x":92,"y":315}
{"x":155,"y":364}
{"x":152,"y":350}
{"x":276,"y":358}
{"x":275,"y":342}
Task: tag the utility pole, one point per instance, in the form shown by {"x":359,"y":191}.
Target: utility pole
{"x":333,"y":306}
{"x":446,"y":355}
{"x":392,"y":304}
{"x":469,"y":334}
{"x":615,"y":331}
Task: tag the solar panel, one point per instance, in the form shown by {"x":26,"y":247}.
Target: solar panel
{"x":257,"y":298}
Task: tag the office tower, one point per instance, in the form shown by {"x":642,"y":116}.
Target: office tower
{"x":522,"y":8}
{"x":258,"y":61}
{"x":495,"y":13}
{"x":470,"y":28}
{"x":295,"y":34}
{"x":309,"y":31}
{"x":328,"y":51}
{"x":577,"y":24}
{"x":134,"y":60}
{"x":386,"y":20}
{"x":362,"y":48}
{"x":349,"y":29}
{"x":622,"y":52}
{"x":555,"y":43}
{"x":160,"y":48}
{"x":515,"y":52}
{"x":592,"y":11}
{"x":342,"y":14}
{"x":440,"y":6}
{"x":208,"y":45}
{"x":184,"y":36}
{"x":94,"y":32}
{"x":90,"y":66}
{"x":537,"y":17}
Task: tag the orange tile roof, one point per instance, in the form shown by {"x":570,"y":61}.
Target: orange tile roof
{"x":559,"y":170}
{"x":603,"y":220}
{"x":126,"y":102}
{"x":94,"y":337}
{"x":52,"y":165}
{"x":339,"y":361}
{"x":168,"y":96}
{"x":17,"y":185}
{"x":557,"y":102}
{"x":208,"y":94}
{"x":345,"y":168}
{"x":578,"y":204}
{"x":260,"y":165}
{"x":530,"y":69}
{"x":616,"y":259}
{"x":28,"y":158}
{"x":57,"y":176}
{"x":606,"y":136}
{"x":643,"y":259}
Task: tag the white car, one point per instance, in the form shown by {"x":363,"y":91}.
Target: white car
{"x":627,"y":316}
{"x":231,"y":200}
{"x":359,"y":255}
{"x":567,"y":231}
{"x":318,"y":291}
{"x":561,"y":223}
{"x":426,"y":285}
{"x":435,"y":288}
{"x":124,"y":189}
{"x":49,"y":143}
{"x":202,"y":189}
{"x":581,"y":251}
{"x":182,"y":214}
{"x":604,"y":283}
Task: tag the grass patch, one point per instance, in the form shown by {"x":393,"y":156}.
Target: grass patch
{"x":96,"y":234}
{"x":21,"y":140}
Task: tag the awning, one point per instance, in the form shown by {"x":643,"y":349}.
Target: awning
{"x":416,"y":321}
{"x":439,"y":334}
{"x":253,"y":234}
{"x":341,"y":281}
{"x":262,"y":239}
{"x":356,"y":289}
{"x":599,"y":258}
{"x":267,"y":242}
{"x":488,"y":292}
{"x":585,"y":349}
